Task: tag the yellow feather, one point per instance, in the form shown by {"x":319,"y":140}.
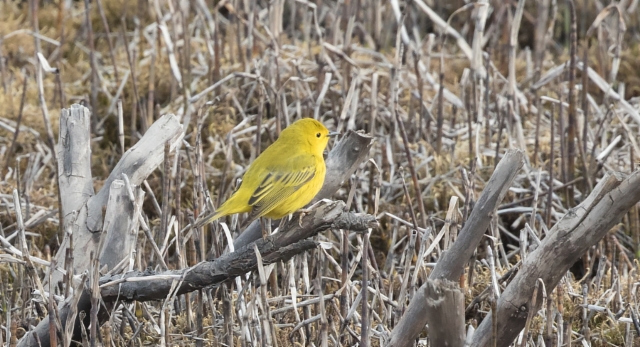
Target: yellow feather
{"x":284,"y":178}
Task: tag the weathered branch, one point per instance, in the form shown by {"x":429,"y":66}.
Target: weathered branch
{"x":278,"y":247}
{"x":138,"y":162}
{"x":581,"y":228}
{"x":149,"y":286}
{"x":451,"y":264}
{"x":342,"y":161}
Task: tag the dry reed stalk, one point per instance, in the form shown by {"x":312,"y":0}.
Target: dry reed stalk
{"x":487,"y":101}
{"x":344,"y":266}
{"x":572,"y":123}
{"x":414,"y":177}
{"x":94,"y":274}
{"x":121,"y":126}
{"x":185,"y":67}
{"x":440,"y":115}
{"x":3,"y":72}
{"x":313,"y":66}
{"x":93,"y":63}
{"x":53,"y":328}
{"x":136,"y":102}
{"x":166,"y":205}
{"x":323,"y":328}
{"x":267,"y":324}
{"x":108,"y":35}
{"x":155,"y":39}
{"x":9,"y":155}
{"x":585,"y":101}
{"x":551,"y":171}
{"x":365,"y":325}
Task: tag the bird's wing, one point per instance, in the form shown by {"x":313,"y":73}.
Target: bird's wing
{"x":280,"y":182}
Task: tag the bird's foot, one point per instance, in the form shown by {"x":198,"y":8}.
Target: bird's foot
{"x":303,"y":212}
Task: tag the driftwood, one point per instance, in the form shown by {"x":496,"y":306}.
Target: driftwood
{"x":451,"y":264}
{"x":342,"y":161}
{"x":581,"y":228}
{"x":81,"y":210}
{"x":149,"y":286}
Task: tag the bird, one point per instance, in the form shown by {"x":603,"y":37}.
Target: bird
{"x":284,"y":178}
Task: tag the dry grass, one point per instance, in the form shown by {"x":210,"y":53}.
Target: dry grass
{"x":292,"y":67}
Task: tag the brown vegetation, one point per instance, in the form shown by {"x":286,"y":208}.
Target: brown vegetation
{"x":461,"y":89}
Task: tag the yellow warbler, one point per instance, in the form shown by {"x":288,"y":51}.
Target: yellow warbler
{"x":284,"y":178}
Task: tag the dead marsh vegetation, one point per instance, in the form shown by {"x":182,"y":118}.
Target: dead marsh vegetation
{"x":445,"y":96}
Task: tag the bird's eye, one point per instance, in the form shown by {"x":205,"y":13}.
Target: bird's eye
{"x":318,"y":135}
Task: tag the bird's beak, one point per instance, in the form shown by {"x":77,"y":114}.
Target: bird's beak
{"x":333,"y":133}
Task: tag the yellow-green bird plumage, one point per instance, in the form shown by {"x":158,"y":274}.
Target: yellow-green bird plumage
{"x":284,"y":178}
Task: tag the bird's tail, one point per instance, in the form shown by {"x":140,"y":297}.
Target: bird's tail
{"x":209,"y":218}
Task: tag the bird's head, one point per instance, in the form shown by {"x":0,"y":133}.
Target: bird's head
{"x":308,"y":130}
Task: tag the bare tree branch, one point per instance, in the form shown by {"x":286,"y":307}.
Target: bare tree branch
{"x":149,"y":286}
{"x":581,"y":228}
{"x":451,"y":264}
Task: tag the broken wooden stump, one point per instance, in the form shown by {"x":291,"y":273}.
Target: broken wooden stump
{"x":81,"y":209}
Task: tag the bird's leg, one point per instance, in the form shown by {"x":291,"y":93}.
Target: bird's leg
{"x":303,"y":212}
{"x":265,"y":225}
{"x":263,"y":229}
{"x":267,"y":222}
{"x":283,"y":221}
{"x":308,"y":210}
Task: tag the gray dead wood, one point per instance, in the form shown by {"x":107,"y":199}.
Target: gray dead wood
{"x":119,"y":240}
{"x":120,"y":228}
{"x":342,"y":161}
{"x":138,"y":162}
{"x":281,"y":246}
{"x":451,"y":264}
{"x":278,"y":247}
{"x":445,"y":313}
{"x":579,"y":229}
{"x":74,"y":161}
{"x":83,"y":215}
{"x":82,"y":211}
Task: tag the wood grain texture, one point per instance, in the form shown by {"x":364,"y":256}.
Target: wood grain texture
{"x":445,"y":313}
